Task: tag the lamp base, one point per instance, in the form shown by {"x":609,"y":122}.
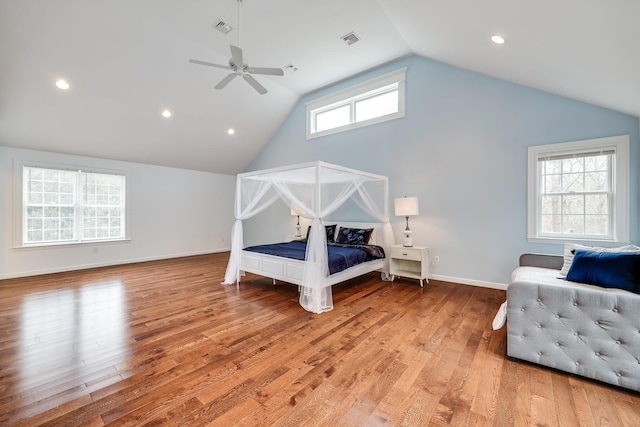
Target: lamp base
{"x":407,"y":242}
{"x":298,"y":232}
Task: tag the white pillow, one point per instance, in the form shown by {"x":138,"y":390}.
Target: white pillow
{"x":501,"y":317}
{"x":568,"y":255}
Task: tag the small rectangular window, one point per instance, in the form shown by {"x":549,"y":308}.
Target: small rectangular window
{"x":71,"y":206}
{"x":377,"y":105}
{"x":334,"y":118}
{"x":371,"y":102}
{"x":578,"y":190}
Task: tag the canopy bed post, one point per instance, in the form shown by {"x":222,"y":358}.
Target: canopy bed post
{"x":237,"y":214}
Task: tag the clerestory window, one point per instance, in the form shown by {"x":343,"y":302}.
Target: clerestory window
{"x":373,"y":101}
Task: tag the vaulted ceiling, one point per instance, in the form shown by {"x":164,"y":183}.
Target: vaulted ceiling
{"x":127,"y":61}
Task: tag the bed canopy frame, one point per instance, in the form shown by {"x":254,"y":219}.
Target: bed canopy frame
{"x":321,"y":192}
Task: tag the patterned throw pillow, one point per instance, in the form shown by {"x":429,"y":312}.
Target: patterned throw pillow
{"x":354,"y":236}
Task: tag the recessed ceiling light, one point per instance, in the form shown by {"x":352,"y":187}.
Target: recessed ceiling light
{"x":166,"y":114}
{"x":231,"y":131}
{"x":62,"y":84}
{"x":497,"y":39}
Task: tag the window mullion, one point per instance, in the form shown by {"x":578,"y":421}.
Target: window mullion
{"x":79,"y":193}
{"x":26,"y":189}
{"x":611,"y":193}
{"x":539,"y":196}
{"x":352,"y":112}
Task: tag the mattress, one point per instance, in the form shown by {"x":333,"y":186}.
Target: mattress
{"x":340,"y":256}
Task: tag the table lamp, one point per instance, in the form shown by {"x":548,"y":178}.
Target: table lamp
{"x":295,"y":213}
{"x":406,"y":207}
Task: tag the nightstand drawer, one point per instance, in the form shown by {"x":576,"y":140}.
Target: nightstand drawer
{"x":406,"y":253}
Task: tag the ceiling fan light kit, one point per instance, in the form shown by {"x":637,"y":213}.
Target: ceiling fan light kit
{"x":238,"y":67}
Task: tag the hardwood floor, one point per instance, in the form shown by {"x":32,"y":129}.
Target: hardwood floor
{"x":163,"y":343}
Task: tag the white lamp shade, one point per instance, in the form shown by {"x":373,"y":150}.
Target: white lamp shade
{"x":406,"y":206}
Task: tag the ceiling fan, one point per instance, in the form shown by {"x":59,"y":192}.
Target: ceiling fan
{"x":240,"y":68}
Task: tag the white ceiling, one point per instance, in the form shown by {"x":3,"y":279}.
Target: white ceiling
{"x":127,"y":61}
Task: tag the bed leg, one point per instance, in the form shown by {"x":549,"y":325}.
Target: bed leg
{"x":273,"y":281}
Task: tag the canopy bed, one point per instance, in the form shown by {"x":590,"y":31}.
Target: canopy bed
{"x":352,"y":204}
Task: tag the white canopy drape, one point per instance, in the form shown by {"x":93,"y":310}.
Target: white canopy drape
{"x":321,"y":192}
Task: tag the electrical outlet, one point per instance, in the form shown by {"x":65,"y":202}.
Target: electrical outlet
{"x":436,"y":258}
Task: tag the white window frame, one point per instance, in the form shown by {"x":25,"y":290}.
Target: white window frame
{"x":18,"y":228}
{"x":620,"y":188}
{"x":353,"y":94}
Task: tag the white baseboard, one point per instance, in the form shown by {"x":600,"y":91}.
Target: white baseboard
{"x":480,"y":283}
{"x":105,"y":264}
{"x":463,"y":281}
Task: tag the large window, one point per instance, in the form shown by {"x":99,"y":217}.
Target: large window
{"x":371,"y":102}
{"x":71,"y":206}
{"x":579,"y":190}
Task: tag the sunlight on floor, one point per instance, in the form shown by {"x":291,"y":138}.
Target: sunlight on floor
{"x":75,"y":331}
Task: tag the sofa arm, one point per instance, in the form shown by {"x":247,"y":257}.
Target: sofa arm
{"x":553,"y":262}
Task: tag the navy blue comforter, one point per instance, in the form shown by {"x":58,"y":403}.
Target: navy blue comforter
{"x":341,"y":256}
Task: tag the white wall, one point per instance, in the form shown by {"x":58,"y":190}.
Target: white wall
{"x":173,"y":212}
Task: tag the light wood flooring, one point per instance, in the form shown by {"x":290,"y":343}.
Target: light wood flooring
{"x":163,"y":343}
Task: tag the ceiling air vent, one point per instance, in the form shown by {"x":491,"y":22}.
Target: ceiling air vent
{"x":350,"y":38}
{"x":222,"y":26}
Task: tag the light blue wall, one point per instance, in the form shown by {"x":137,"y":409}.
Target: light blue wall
{"x":462,"y":149}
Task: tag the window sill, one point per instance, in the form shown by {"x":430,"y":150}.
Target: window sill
{"x":71,"y":244}
{"x":587,"y":242}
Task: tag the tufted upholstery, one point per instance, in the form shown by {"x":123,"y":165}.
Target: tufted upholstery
{"x":582,"y":329}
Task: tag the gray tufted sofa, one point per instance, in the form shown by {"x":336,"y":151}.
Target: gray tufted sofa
{"x":581,"y":329}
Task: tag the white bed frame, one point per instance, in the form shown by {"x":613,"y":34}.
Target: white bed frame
{"x":292,"y":270}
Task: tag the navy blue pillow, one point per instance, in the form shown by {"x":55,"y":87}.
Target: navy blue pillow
{"x":330,"y":229}
{"x":354,"y":236}
{"x":606,"y":269}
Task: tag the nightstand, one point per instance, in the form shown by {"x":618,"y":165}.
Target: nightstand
{"x":411,"y":262}
{"x":291,"y":237}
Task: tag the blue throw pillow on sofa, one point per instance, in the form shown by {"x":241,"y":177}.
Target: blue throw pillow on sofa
{"x":606,"y":269}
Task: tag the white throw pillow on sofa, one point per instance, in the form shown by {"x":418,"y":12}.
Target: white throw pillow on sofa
{"x":569,"y":247}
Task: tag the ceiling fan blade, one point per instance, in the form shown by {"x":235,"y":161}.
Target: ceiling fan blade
{"x":267,"y":71}
{"x":236,"y":55}
{"x":253,"y":82}
{"x":195,"y":61}
{"x":225,"y":81}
